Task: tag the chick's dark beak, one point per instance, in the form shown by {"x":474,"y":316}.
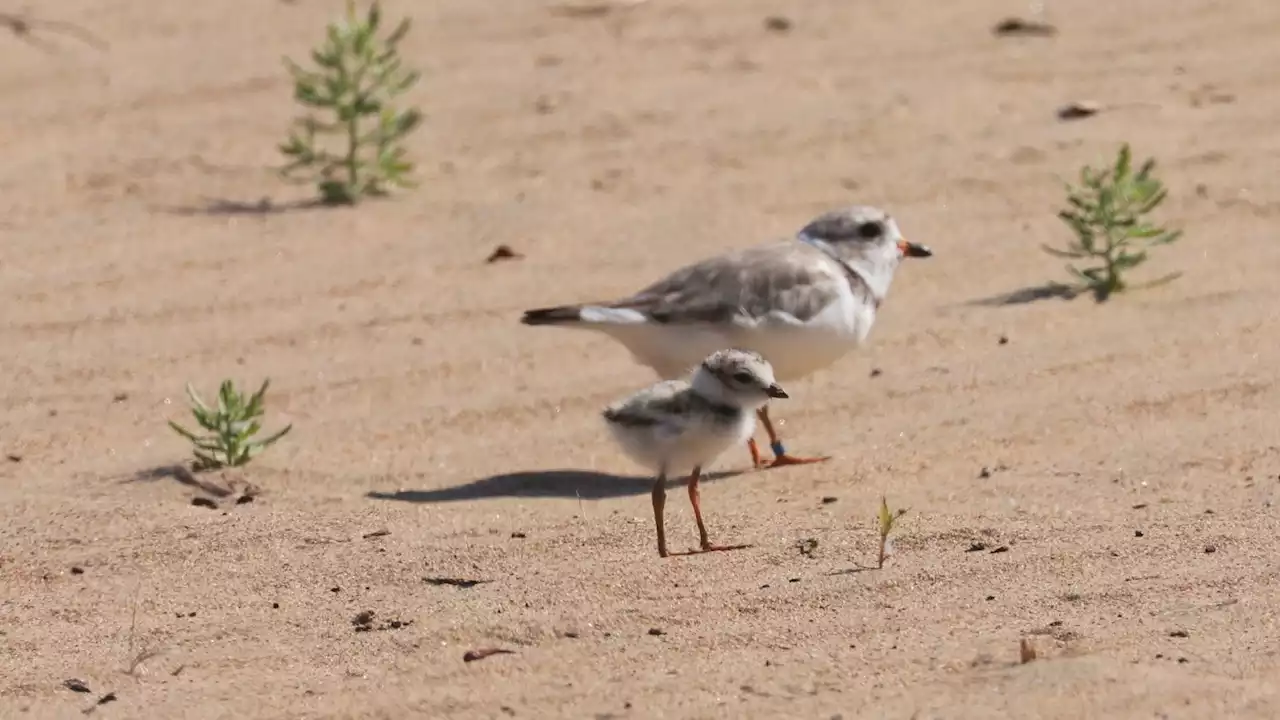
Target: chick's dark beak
{"x":910,"y":249}
{"x":775,"y":391}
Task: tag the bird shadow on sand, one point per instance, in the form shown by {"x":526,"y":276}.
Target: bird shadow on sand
{"x":261,"y":207}
{"x":584,"y":484}
{"x":1034,"y":293}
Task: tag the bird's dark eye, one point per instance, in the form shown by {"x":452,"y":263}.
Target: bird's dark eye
{"x":743,"y":377}
{"x":870,"y":230}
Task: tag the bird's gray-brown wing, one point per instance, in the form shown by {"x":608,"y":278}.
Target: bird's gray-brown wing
{"x":669,"y":404}
{"x":651,"y":407}
{"x":786,"y":278}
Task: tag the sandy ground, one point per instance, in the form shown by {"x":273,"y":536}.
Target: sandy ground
{"x":1130,"y":450}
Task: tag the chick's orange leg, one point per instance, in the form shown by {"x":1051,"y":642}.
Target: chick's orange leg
{"x":696,"y":500}
{"x":756,"y":460}
{"x":659,"y":502}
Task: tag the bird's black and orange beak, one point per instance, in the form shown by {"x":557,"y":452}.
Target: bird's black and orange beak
{"x":910,"y":249}
{"x":775,"y":391}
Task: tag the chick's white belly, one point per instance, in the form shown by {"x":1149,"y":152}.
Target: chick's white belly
{"x":657,"y":448}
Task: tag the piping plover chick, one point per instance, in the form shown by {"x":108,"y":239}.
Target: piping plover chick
{"x":679,"y":426}
{"x":802,"y":303}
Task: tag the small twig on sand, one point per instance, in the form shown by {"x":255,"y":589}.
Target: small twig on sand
{"x":108,"y":698}
{"x":482,"y":653}
{"x":140,"y":658}
{"x":593,"y":9}
{"x":23,"y":28}
{"x":136,"y":658}
{"x":133,"y":621}
{"x":1026,"y":651}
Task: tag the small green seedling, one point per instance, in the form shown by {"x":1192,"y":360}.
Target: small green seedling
{"x":1108,"y":216}
{"x":358,"y":76}
{"x":887,"y":519}
{"x":231,"y":427}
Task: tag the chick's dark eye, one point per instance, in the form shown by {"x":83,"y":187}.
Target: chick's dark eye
{"x":742,"y":377}
{"x":870,"y":230}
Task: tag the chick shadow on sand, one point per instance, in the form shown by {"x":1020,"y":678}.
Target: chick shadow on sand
{"x":583,"y":484}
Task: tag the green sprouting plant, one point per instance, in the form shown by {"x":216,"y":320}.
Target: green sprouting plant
{"x":1108,"y":213}
{"x":231,"y":427}
{"x":358,"y":76}
{"x":887,"y":519}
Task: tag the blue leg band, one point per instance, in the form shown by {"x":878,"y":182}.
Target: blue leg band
{"x":777,"y":448}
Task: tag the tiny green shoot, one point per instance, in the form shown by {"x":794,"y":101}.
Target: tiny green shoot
{"x":887,"y":519}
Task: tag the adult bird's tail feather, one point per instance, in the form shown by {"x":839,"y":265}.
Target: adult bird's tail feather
{"x":562,"y":315}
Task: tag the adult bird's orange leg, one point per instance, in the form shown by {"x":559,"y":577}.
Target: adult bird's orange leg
{"x":695,"y":500}
{"x":659,"y":501}
{"x":781,"y":457}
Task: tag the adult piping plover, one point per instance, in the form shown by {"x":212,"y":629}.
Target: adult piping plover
{"x":801,"y":303}
{"x":678,"y":426}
